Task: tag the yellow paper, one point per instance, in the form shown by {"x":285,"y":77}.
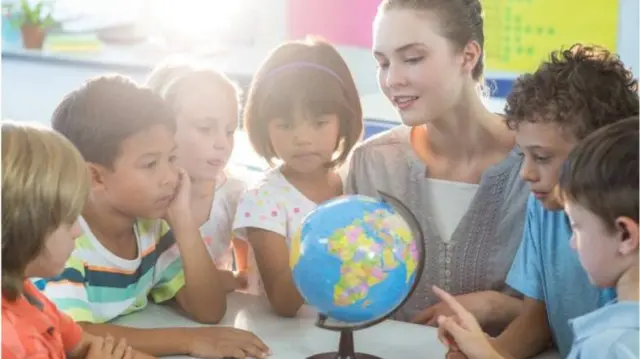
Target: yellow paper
{"x":519,"y":34}
{"x":73,"y":43}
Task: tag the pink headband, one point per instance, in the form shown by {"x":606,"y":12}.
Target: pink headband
{"x":302,"y":65}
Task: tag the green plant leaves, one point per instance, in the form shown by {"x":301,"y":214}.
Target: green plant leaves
{"x":34,"y":15}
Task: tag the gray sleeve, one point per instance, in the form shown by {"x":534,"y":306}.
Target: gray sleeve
{"x":350,"y":186}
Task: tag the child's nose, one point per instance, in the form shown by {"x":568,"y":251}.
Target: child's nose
{"x":528,"y":173}
{"x":302,"y":135}
{"x":222,"y":141}
{"x":170,"y":176}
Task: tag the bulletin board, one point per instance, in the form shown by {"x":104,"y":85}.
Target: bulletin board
{"x":519,"y":34}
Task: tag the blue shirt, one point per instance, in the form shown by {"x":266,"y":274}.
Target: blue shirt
{"x":610,"y":332}
{"x":546,"y":268}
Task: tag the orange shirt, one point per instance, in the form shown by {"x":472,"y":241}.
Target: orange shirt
{"x":418,"y":139}
{"x":32,"y":327}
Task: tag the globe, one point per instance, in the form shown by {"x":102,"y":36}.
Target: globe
{"x":356,"y":258}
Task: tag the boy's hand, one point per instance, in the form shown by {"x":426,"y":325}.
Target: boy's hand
{"x":221,"y":342}
{"x":462,"y":332}
{"x":180,"y":207}
{"x":108,"y":348}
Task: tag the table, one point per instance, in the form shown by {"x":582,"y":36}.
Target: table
{"x":298,"y":338}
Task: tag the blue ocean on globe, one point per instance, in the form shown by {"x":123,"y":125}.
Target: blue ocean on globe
{"x":354,"y":259}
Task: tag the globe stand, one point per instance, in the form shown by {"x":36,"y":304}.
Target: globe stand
{"x":346,"y":348}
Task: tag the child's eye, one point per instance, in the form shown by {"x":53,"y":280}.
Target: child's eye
{"x":321,"y":123}
{"x":283,"y":126}
{"x":541,"y":159}
{"x":151,"y":164}
{"x":204,"y":129}
{"x":231,"y":132}
{"x":172,"y":158}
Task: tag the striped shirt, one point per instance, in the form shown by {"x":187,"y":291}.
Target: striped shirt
{"x":97,"y":286}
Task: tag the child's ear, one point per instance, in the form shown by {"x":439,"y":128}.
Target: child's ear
{"x":97,"y":175}
{"x":628,"y":232}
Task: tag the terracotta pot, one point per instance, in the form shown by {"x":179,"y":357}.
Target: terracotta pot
{"x":32,"y":36}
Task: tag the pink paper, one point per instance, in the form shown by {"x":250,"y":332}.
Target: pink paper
{"x":342,"y":22}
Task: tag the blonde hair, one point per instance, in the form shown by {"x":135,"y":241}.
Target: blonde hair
{"x":45,"y":184}
{"x":175,"y":78}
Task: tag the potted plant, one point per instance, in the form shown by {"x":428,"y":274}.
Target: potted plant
{"x":34,"y":20}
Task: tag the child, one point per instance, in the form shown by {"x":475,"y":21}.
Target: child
{"x":126,"y":136}
{"x":206,"y":106}
{"x":44,"y":187}
{"x":575,"y":92}
{"x":599,"y":185}
{"x":303,"y":111}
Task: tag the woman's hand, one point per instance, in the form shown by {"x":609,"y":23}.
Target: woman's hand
{"x":480,"y":304}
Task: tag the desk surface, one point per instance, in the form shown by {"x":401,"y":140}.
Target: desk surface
{"x":299,"y":338}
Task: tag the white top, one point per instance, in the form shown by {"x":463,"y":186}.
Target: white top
{"x":217,"y":230}
{"x":271,"y":204}
{"x":449,"y":203}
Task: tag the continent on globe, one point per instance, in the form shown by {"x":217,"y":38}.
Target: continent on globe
{"x":356,"y":258}
{"x":368,"y":250}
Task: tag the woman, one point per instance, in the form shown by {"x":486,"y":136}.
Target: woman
{"x":454,"y":164}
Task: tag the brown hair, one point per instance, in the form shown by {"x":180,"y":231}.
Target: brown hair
{"x":104,"y":112}
{"x":460,"y":21}
{"x":45,"y":184}
{"x":173,"y":79}
{"x":601,"y":173}
{"x":278,"y":94}
{"x":580,"y":89}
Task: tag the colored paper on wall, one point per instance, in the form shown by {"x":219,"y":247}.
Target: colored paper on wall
{"x":519,"y":34}
{"x":342,"y":22}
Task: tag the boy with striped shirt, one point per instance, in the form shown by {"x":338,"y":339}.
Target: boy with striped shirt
{"x":126,"y":136}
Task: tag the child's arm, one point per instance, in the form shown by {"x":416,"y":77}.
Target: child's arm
{"x":262,"y":219}
{"x":78,"y":343}
{"x":203,"y":296}
{"x":144,"y":340}
{"x":94,"y":347}
{"x":203,"y":342}
{"x":241,"y":252}
{"x":238,"y":280}
{"x":272,"y":256}
{"x":492,"y":309}
{"x":528,"y":334}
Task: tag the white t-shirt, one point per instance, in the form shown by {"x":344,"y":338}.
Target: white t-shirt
{"x":217,"y":230}
{"x":272,"y":204}
{"x":450,"y":201}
